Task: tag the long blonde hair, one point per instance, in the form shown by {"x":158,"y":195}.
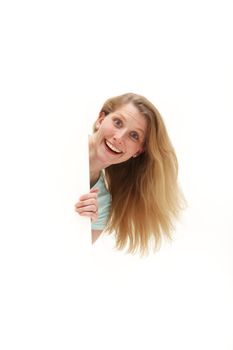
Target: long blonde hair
{"x":145,"y":194}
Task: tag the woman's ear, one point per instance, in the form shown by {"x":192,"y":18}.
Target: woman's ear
{"x":139,"y":152}
{"x":99,"y":120}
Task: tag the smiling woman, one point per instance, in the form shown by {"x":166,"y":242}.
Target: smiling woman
{"x":133,"y":175}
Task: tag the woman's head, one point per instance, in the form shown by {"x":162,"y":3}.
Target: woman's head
{"x":132,"y":125}
{"x":120,"y":134}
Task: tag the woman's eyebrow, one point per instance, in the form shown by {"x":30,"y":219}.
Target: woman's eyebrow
{"x":122,"y":116}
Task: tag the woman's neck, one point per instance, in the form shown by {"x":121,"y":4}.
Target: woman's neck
{"x":94,"y":178}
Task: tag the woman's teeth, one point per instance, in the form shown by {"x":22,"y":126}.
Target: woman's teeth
{"x":114,"y":149}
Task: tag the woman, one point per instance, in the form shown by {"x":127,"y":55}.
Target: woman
{"x":133,"y":175}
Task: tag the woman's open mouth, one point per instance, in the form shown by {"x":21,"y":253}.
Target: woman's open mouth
{"x":112,"y":149}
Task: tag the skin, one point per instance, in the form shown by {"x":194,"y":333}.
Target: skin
{"x":123,"y":129}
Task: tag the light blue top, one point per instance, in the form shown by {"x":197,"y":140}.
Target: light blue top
{"x":104,"y":204}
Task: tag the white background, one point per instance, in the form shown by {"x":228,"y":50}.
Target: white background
{"x":59,"y":62}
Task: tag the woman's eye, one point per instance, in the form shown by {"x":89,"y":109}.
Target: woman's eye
{"x":134,"y":135}
{"x":117,"y":122}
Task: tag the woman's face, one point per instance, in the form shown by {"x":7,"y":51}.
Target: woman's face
{"x":120,"y":135}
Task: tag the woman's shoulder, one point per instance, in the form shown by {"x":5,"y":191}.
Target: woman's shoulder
{"x":101,"y":182}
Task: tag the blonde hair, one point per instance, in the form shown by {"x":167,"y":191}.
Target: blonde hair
{"x":145,"y":194}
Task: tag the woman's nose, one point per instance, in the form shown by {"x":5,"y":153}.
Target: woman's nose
{"x":119,"y":136}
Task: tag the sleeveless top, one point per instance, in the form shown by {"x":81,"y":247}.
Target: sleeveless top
{"x":104,"y":204}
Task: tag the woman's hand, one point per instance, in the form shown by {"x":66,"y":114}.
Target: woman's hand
{"x":88,"y":204}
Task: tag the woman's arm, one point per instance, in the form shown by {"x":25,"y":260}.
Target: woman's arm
{"x":88,"y":206}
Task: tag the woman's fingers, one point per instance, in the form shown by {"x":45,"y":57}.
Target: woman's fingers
{"x":92,"y":194}
{"x":88,"y":204}
{"x":86,"y":208}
